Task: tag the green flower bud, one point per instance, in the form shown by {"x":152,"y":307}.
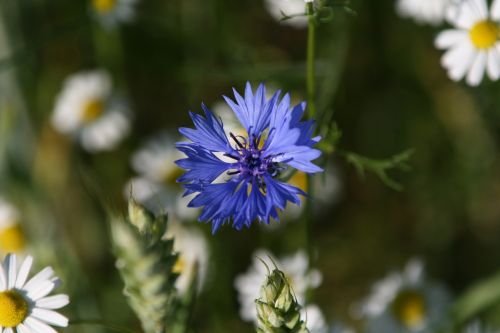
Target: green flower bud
{"x":277,"y":308}
{"x":145,"y":261}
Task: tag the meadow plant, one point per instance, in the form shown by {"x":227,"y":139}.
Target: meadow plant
{"x":245,"y":162}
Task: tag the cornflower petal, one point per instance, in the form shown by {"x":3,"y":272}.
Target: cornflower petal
{"x":209,"y":132}
{"x":250,"y":191}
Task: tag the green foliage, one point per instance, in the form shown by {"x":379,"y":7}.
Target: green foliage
{"x":145,"y":261}
{"x":381,"y":167}
{"x":477,"y":299}
{"x":277,"y":308}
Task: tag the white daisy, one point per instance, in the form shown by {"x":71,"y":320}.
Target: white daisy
{"x":473,"y":46}
{"x":112,"y":12}
{"x":193,"y":252}
{"x":294,"y":8}
{"x":24,"y":304}
{"x":314,"y":319}
{"x":295,"y":267}
{"x":406,"y":302}
{"x":87,"y":109}
{"x":12,"y":237}
{"x":424,"y":11}
{"x":156,"y":187}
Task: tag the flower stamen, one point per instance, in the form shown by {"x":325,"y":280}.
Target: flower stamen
{"x":484,"y":34}
{"x":104,"y":6}
{"x":13,"y":308}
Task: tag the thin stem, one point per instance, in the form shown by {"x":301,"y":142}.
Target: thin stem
{"x":311,"y":66}
{"x":98,"y":322}
{"x":309,"y":230}
{"x":311,"y":108}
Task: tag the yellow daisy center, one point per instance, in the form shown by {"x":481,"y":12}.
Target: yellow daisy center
{"x":484,"y":34}
{"x":179,"y":265}
{"x":103,"y":6}
{"x":92,"y":110}
{"x":12,"y":239}
{"x":409,"y":308}
{"x":13,"y":308}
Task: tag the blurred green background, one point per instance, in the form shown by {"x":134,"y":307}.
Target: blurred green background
{"x":380,"y":75}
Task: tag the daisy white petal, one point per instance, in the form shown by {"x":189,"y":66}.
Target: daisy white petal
{"x":476,"y":72}
{"x":24,"y":272}
{"x":3,"y":279}
{"x":50,"y":317}
{"x":21,"y":328}
{"x":10,"y":267}
{"x":450,"y":38}
{"x":291,"y":8}
{"x":459,"y":70}
{"x":52,"y":302}
{"x":42,"y":289}
{"x":37,"y":326}
{"x":493,"y":66}
{"x":495,"y":10}
{"x":423,"y":11}
{"x":43,"y":275}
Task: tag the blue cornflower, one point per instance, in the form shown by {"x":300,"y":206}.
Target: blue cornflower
{"x":235,"y":177}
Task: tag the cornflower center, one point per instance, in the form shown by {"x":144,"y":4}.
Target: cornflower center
{"x":12,"y":239}
{"x":92,"y":109}
{"x":409,"y":308}
{"x":13,"y":308}
{"x":103,"y":6}
{"x":484,"y":34}
{"x":251,"y":162}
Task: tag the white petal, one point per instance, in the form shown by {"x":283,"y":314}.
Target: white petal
{"x":53,"y":302}
{"x":480,"y":7}
{"x":10,"y":267}
{"x":458,"y":61}
{"x":449,"y":38}
{"x":42,"y":289}
{"x":477,"y":70}
{"x":494,"y":64}
{"x":36,"y":326}
{"x":50,"y":317}
{"x":9,"y":330}
{"x":23,"y":272}
{"x":468,"y":14}
{"x":43,"y":275}
{"x":495,"y":10}
{"x":21,"y":328}
{"x":3,"y":280}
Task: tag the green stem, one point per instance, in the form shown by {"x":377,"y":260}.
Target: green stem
{"x":100,"y":323}
{"x":309,"y":230}
{"x":311,"y":95}
{"x":311,"y":66}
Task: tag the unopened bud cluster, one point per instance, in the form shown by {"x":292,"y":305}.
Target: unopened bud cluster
{"x":145,"y":261}
{"x":277,"y":308}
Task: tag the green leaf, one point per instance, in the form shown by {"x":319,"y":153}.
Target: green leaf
{"x":477,"y":299}
{"x":381,"y":167}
